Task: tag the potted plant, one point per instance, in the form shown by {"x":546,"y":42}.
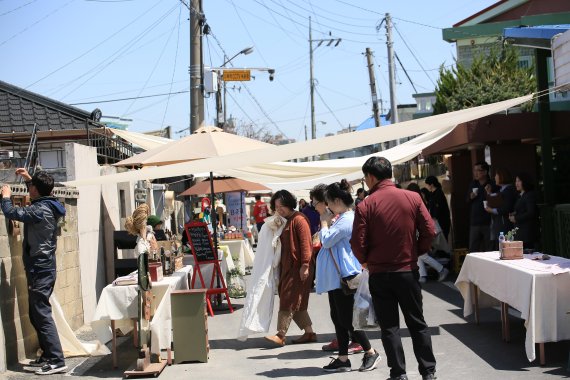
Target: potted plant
{"x":236,"y":283}
{"x":511,"y":249}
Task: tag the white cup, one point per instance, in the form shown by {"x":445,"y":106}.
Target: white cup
{"x":484,"y":204}
{"x":475,"y":190}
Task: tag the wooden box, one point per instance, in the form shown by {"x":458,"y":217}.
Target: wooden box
{"x":189,"y":325}
{"x":155,"y":269}
{"x":511,"y":250}
{"x":178,"y":262}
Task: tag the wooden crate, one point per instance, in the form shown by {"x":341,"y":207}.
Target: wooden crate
{"x":457,"y":258}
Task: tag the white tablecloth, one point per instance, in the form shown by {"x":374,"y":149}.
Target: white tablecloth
{"x":119,"y":303}
{"x":226,"y":264}
{"x":540,"y":290}
{"x":242,"y":253}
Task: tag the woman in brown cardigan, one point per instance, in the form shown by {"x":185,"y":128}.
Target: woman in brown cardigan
{"x":296,"y":270}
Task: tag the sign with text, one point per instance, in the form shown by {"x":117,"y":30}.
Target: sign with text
{"x":200,"y":241}
{"x":236,"y":75}
{"x":236,"y":209}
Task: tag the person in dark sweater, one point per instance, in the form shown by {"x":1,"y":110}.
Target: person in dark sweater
{"x":500,"y":204}
{"x":479,"y":219}
{"x":40,"y":220}
{"x":437,"y":205}
{"x":525,"y":215}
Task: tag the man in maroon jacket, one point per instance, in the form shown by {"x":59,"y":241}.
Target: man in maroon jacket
{"x":391,"y":227}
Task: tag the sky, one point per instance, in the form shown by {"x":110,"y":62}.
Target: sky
{"x":123,"y":56}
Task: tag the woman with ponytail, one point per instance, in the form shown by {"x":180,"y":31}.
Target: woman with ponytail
{"x":336,"y":261}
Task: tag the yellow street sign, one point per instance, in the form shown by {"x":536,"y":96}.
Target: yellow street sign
{"x":236,"y":75}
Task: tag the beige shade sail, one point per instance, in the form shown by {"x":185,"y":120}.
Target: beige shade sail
{"x":140,"y":139}
{"x":262,"y":162}
{"x":224,"y":185}
{"x":206,"y":142}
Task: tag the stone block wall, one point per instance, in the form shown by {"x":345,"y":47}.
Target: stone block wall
{"x":21,"y":339}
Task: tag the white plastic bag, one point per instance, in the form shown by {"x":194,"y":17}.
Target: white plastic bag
{"x":363,"y":315}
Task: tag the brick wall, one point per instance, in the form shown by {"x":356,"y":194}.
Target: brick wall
{"x":21,"y":339}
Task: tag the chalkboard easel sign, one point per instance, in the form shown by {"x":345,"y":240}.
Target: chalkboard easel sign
{"x":204,"y":253}
{"x":201,"y":242}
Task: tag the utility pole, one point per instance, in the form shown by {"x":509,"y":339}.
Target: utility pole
{"x":306,"y":137}
{"x":329,"y":41}
{"x":196,"y":97}
{"x":391,"y":69}
{"x":373,"y":87}
{"x":313,"y":122}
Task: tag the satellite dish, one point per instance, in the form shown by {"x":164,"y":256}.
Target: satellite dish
{"x":96,"y":115}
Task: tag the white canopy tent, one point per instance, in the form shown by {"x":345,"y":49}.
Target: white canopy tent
{"x":263,"y":166}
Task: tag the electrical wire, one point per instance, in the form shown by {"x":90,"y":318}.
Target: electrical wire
{"x":173,"y":70}
{"x":35,"y":23}
{"x":417,"y":23}
{"x":122,"y":51}
{"x":326,"y":105}
{"x":413,"y":55}
{"x":327,"y":18}
{"x":356,"y":6}
{"x":343,"y":15}
{"x":91,"y":49}
{"x":130,"y":98}
{"x":318,"y":23}
{"x":17,"y":8}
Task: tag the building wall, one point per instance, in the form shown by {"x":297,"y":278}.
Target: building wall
{"x":81,"y":162}
{"x":22,"y":340}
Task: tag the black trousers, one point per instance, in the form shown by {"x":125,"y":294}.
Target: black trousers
{"x":40,"y":288}
{"x":341,"y":314}
{"x":389,"y":290}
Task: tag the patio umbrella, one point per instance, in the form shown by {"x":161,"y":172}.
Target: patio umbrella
{"x":224,"y":185}
{"x":206,"y":142}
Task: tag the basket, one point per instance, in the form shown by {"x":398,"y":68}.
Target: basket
{"x":511,"y":250}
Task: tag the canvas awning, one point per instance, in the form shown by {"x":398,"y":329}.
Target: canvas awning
{"x":258,"y":163}
{"x":141,"y":140}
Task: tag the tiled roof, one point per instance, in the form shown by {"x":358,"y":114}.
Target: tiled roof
{"x":20,"y":109}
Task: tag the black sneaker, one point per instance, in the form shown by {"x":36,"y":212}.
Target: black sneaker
{"x":369,"y":361}
{"x":401,"y":377}
{"x":49,"y":369}
{"x":336,"y":365}
{"x":38,"y":362}
{"x":429,"y":376}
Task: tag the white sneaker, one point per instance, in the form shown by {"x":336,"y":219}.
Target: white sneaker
{"x":422,"y":280}
{"x":50,"y":369}
{"x":442,"y":275}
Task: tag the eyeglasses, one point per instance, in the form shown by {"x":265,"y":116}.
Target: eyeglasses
{"x":315,"y":203}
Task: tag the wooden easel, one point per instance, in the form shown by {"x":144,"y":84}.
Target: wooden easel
{"x":203,"y":251}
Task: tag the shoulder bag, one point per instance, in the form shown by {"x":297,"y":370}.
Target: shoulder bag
{"x":348,"y":284}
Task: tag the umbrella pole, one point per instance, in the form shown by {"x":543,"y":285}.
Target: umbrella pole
{"x":213,"y":214}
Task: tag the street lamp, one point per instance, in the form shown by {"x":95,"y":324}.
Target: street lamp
{"x":246,"y":51}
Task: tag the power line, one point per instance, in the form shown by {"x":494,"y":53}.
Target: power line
{"x":35,"y":23}
{"x":356,"y":6}
{"x":330,"y":110}
{"x":91,"y":49}
{"x":15,"y":9}
{"x":405,"y":72}
{"x":130,"y":98}
{"x":413,"y":55}
{"x":326,"y":18}
{"x":173,"y":70}
{"x":418,"y":23}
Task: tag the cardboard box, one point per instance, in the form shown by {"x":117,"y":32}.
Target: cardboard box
{"x":511,"y":250}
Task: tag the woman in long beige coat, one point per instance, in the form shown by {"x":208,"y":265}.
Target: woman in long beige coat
{"x":296,"y":270}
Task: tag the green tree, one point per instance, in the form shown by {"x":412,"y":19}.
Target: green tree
{"x":490,"y":78}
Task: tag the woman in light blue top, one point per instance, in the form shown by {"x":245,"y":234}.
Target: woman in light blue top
{"x":335,"y":261}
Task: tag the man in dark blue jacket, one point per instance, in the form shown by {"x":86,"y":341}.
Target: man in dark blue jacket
{"x":39,"y":244}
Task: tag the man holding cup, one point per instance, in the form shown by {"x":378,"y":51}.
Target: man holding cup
{"x":479,"y":220}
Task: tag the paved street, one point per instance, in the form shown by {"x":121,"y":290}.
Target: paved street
{"x":462,"y":349}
